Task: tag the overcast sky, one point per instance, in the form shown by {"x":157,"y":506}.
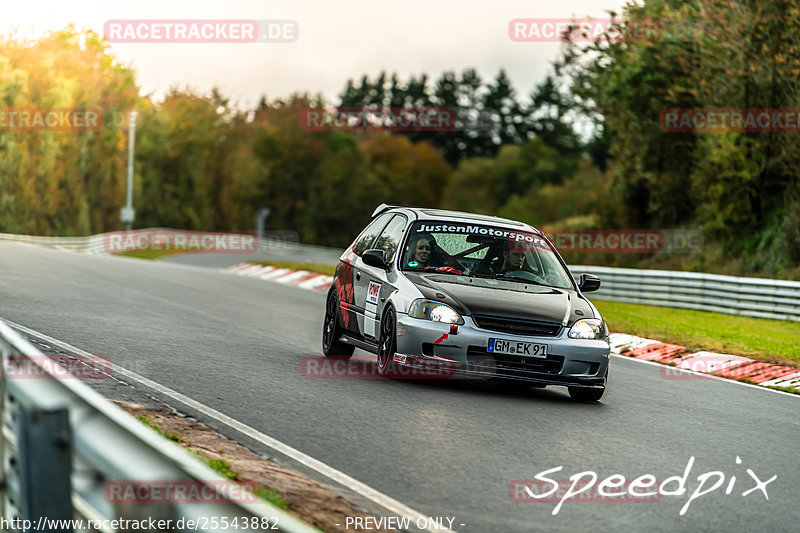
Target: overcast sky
{"x":337,"y":40}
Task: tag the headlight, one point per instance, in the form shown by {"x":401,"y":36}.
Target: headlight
{"x":588,"y":328}
{"x":436,"y":311}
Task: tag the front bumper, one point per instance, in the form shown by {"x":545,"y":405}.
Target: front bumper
{"x":422,"y":344}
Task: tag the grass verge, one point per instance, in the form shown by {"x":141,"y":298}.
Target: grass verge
{"x":174,"y":437}
{"x":152,"y":253}
{"x":221,"y":466}
{"x":766,"y":340}
{"x":309,"y":267}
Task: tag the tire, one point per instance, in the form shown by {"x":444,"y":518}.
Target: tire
{"x":332,"y":331}
{"x":387,"y":345}
{"x":581,"y":394}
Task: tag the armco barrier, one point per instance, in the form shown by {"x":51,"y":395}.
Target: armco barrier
{"x":91,"y":244}
{"x":277,"y":248}
{"x":61,"y":443}
{"x":754,"y":297}
{"x":98,"y":244}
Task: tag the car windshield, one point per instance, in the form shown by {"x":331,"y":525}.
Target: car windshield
{"x":480,"y":250}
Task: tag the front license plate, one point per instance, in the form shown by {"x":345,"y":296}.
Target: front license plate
{"x":529,"y":349}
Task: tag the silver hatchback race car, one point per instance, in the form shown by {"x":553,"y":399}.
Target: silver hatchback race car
{"x":465,"y":294}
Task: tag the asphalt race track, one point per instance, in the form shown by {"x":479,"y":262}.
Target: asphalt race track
{"x":448,"y":448}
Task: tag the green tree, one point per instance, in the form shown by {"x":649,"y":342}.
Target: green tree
{"x":62,"y":182}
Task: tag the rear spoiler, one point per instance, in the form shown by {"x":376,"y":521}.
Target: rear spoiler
{"x":380,"y":209}
{"x":385,"y":207}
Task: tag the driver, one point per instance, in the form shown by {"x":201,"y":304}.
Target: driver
{"x":513,"y":258}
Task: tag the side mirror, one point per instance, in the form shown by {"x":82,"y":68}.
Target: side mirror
{"x":375,"y":258}
{"x":588,"y":283}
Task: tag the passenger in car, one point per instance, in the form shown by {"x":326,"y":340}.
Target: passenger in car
{"x":420,"y":248}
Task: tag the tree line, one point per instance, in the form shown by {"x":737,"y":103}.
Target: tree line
{"x":204,"y":163}
{"x":741,"y":187}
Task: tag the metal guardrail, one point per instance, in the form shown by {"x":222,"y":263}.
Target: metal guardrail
{"x":99,"y":244}
{"x":61,"y":442}
{"x":277,"y":245}
{"x":754,"y":297}
{"x":91,"y":244}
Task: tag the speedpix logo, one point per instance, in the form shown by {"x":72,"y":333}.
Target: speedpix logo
{"x":543,"y":489}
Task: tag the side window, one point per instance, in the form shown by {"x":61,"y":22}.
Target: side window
{"x":369,"y":234}
{"x":390,"y":239}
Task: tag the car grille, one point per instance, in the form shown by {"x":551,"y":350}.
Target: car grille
{"x":517,"y":326}
{"x":478,"y":358}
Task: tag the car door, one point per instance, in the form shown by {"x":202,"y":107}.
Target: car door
{"x":355,"y":274}
{"x":376,"y":283}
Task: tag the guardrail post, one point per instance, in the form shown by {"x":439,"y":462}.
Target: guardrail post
{"x":45,"y":460}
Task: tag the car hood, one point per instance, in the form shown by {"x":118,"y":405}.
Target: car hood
{"x":479,"y":296}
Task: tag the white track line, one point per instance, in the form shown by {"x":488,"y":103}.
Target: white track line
{"x":387,"y":502}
